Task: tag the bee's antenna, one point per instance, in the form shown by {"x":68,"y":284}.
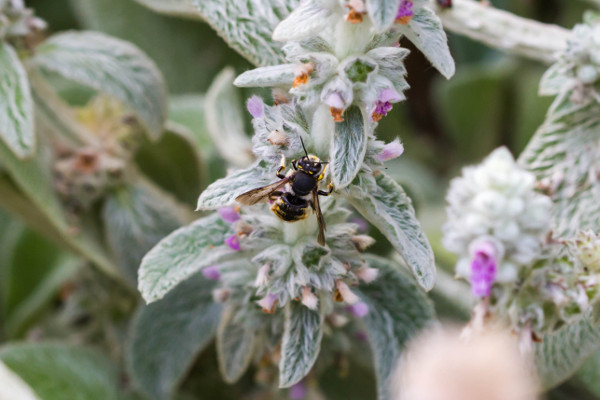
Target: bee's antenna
{"x":302,"y":141}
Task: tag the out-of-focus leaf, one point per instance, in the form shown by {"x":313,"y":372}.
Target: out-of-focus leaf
{"x":303,"y":331}
{"x":235,"y":345}
{"x":471,"y":105}
{"x":180,"y":255}
{"x":31,"y":272}
{"x":136,"y":218}
{"x":589,"y":372}
{"x":174,"y":163}
{"x":166,"y":336}
{"x":386,"y":206}
{"x":225,"y":122}
{"x":246,"y":25}
{"x":35,"y":179}
{"x":16,"y":105}
{"x":426,"y":32}
{"x":348,"y":147}
{"x":561,"y":354}
{"x":59,"y":372}
{"x":13,"y":387}
{"x":109,"y":65}
{"x":398,"y":309}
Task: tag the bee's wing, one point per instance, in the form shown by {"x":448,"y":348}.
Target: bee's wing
{"x":317,"y":207}
{"x":256,"y":195}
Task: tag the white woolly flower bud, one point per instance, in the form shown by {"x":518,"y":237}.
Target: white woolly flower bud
{"x":586,"y":247}
{"x":495,"y":203}
{"x":343,"y":293}
{"x":309,"y":299}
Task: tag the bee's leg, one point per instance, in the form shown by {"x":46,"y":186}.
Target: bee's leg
{"x":281,"y":168}
{"x":273,"y":196}
{"x":328,"y":192}
{"x":295,"y":164}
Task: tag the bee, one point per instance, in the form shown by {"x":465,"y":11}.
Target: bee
{"x":295,"y":192}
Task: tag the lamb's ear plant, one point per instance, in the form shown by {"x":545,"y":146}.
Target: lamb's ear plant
{"x":283,"y":291}
{"x":111,"y":180}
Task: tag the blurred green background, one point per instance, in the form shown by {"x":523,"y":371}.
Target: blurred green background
{"x":492,"y":101}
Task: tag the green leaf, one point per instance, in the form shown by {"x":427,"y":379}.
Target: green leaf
{"x":235,"y":345}
{"x":246,"y":25}
{"x":182,"y":254}
{"x":398,"y":310}
{"x":16,"y":105}
{"x":589,"y":372}
{"x":562,"y":353}
{"x":136,"y":218}
{"x":224,"y":191}
{"x":555,"y":80}
{"x":276,"y":75}
{"x":174,"y":163}
{"x":348,"y":147}
{"x":59,"y":372}
{"x":382,"y":13}
{"x":13,"y":387}
{"x":112,"y":66}
{"x":224,"y":120}
{"x":167,"y":336}
{"x":385,"y":204}
{"x":426,"y":32}
{"x":303,"y":331}
{"x":308,"y":19}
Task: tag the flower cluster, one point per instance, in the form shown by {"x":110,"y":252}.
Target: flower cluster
{"x":295,"y":268}
{"x":496,"y":222}
{"x":499,"y":226}
{"x":18,"y":21}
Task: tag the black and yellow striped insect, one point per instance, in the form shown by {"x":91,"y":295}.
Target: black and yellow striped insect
{"x":292,"y":195}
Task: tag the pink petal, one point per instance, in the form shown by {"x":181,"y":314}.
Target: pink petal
{"x":255,"y":106}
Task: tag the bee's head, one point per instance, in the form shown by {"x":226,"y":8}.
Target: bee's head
{"x":311,"y":165}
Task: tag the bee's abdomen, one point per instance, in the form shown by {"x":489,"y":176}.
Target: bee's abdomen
{"x":290,"y":208}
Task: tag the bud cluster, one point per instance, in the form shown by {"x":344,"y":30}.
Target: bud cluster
{"x":18,"y":21}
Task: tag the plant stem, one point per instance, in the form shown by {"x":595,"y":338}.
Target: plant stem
{"x":505,"y":31}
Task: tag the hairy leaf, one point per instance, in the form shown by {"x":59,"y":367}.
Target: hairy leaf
{"x":112,"y":66}
{"x":181,"y":254}
{"x":16,"y":105}
{"x":224,"y":191}
{"x":386,"y":205}
{"x":136,"y":218}
{"x":554,"y":81}
{"x":562,"y":353}
{"x":225,"y":122}
{"x":398,"y":309}
{"x":275,"y":75}
{"x":563,"y":154}
{"x":182,"y":8}
{"x":589,"y":372}
{"x":308,"y":19}
{"x":348,"y":147}
{"x":303,"y":331}
{"x":382,"y":13}
{"x":58,"y":372}
{"x":426,"y":32}
{"x":235,"y":345}
{"x":166,"y":336}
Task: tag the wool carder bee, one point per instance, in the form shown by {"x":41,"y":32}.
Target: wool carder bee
{"x":295,"y":192}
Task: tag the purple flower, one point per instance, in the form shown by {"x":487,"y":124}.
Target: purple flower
{"x":255,"y":106}
{"x":384,"y":103}
{"x":405,"y":11}
{"x":363,"y":226}
{"x":359,"y":309}
{"x":335,"y":100}
{"x":229,"y":214}
{"x":268,"y":303}
{"x":483,"y":269}
{"x":362,"y":336}
{"x":233,"y":241}
{"x":391,"y":150}
{"x":212,"y":273}
{"x":298,"y":391}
